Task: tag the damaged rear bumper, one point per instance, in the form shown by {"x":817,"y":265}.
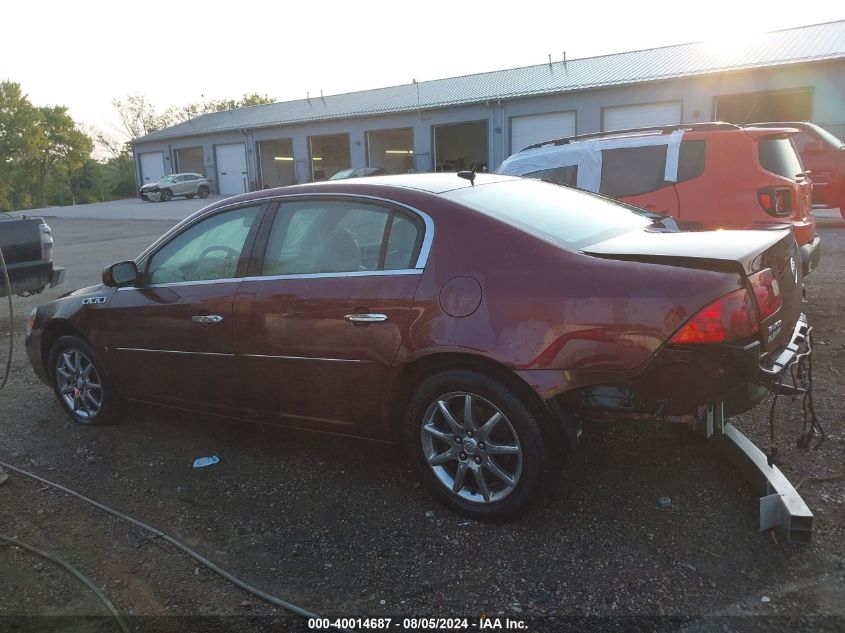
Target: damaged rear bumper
{"x":733,"y":377}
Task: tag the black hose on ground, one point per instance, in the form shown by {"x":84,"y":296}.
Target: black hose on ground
{"x":8,"y":284}
{"x":75,"y":572}
{"x":184,"y":548}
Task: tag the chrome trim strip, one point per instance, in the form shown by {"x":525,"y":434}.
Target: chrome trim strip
{"x":328,"y":360}
{"x":357,"y":273}
{"x":170,"y":351}
{"x":176,"y":284}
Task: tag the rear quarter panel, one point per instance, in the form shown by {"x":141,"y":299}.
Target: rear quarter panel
{"x":543,"y":308}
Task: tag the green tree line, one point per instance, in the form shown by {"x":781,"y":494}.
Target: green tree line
{"x":46,"y":157}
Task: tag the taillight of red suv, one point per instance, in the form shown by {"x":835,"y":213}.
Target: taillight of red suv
{"x":776,"y":201}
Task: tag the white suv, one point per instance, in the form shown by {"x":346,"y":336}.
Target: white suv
{"x":188,"y":185}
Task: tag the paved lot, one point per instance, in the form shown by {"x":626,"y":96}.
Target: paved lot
{"x":342,"y":528}
{"x":129,"y":209}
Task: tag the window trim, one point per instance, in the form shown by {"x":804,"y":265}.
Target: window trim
{"x":268,"y":206}
{"x":422,"y":219}
{"x":240,"y":270}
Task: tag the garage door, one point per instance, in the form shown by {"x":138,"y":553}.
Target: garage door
{"x":533,"y":128}
{"x":642,"y":115}
{"x":231,"y":168}
{"x":189,"y":160}
{"x":152,"y":167}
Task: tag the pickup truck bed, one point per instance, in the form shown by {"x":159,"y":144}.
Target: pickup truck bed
{"x":27,"y":245}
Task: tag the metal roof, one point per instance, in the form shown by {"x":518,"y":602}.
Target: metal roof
{"x":777,"y":48}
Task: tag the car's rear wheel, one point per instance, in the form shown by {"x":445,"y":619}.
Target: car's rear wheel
{"x":166,"y":195}
{"x":80,"y":383}
{"x":477,"y":445}
{"x":203,"y":192}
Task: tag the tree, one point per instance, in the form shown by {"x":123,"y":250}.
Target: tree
{"x":56,"y":144}
{"x":193,"y":110}
{"x":17,"y":120}
{"x":138,"y":117}
{"x":40,"y":148}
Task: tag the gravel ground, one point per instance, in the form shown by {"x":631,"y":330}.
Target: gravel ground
{"x":341,"y":527}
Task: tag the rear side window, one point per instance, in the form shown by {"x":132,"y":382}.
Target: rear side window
{"x":632,"y":171}
{"x":778,"y":156}
{"x":691,"y":160}
{"x":325,"y":236}
{"x":567,"y":175}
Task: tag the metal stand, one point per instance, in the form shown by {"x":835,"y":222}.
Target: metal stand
{"x":780,"y":504}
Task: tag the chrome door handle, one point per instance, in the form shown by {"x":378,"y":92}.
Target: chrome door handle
{"x":206,"y":318}
{"x":366,"y":317}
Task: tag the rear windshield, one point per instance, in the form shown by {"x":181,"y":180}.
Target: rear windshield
{"x":778,"y":156}
{"x":566,"y":217}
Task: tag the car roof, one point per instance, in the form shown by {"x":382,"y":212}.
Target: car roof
{"x":435,"y":183}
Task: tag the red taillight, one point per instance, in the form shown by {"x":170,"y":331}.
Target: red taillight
{"x":727,"y":319}
{"x":775,"y":201}
{"x":766,"y":293}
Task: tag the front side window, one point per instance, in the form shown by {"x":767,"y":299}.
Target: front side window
{"x":632,"y":171}
{"x":327,"y":236}
{"x":208,"y":250}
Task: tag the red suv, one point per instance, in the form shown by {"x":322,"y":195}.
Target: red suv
{"x":706,"y":176}
{"x":824,"y":155}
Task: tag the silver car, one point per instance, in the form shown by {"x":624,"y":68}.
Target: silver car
{"x":188,"y":185}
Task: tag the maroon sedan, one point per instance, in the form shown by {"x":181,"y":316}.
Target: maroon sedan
{"x":476,"y":319}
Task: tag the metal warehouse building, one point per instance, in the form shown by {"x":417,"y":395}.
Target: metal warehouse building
{"x":453,"y":124}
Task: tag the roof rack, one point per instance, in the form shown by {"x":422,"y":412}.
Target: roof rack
{"x":663,"y":129}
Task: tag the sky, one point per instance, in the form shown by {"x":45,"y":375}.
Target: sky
{"x":84,"y":54}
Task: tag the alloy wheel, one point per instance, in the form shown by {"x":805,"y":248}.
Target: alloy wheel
{"x":471,"y":447}
{"x":79,"y":384}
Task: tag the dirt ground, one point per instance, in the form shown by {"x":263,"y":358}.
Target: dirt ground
{"x":342,"y":528}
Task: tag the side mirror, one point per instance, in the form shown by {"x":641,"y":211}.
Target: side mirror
{"x":814,"y":147}
{"x":121,"y":274}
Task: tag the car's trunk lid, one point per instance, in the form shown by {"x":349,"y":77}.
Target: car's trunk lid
{"x":745,"y":252}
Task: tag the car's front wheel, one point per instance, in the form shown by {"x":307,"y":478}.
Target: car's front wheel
{"x":166,"y":195}
{"x":477,"y":445}
{"x":80,"y":383}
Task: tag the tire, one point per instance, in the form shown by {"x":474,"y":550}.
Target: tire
{"x":189,"y":195}
{"x":166,"y":195}
{"x":203,"y":192}
{"x":524,"y":454}
{"x":69,"y":362}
